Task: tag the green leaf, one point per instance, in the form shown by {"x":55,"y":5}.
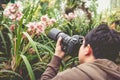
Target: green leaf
{"x":12,"y":1}
{"x":29,"y":68}
{"x":1,"y":53}
{"x":4,"y":42}
{"x":10,"y":72}
{"x":32,"y":44}
{"x":3,"y":59}
{"x":45,"y":47}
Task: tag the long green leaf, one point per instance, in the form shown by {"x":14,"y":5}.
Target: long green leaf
{"x":3,"y":59}
{"x":31,"y":74}
{"x":45,"y":47}
{"x":19,"y":35}
{"x":4,"y":42}
{"x":11,"y":72}
{"x":32,"y":44}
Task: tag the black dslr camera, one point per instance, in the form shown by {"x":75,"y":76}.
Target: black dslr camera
{"x":70,"y":45}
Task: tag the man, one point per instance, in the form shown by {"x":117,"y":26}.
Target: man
{"x":100,"y":48}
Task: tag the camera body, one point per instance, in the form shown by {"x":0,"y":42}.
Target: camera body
{"x":70,"y":45}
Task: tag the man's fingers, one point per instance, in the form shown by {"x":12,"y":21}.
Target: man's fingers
{"x":59,"y":41}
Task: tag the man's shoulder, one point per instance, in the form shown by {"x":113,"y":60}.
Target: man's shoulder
{"x":73,"y":74}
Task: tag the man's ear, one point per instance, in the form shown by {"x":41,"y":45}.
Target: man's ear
{"x":88,"y":50}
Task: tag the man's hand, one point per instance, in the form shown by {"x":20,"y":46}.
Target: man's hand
{"x":58,"y":50}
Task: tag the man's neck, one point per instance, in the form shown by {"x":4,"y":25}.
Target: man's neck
{"x":90,"y":59}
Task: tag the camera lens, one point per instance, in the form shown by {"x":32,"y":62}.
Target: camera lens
{"x":54,"y":33}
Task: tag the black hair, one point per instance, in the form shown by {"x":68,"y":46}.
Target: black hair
{"x":104,"y":41}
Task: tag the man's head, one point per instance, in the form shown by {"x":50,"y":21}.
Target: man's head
{"x":101,"y":42}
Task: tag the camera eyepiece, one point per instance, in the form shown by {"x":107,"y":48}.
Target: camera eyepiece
{"x":70,"y":45}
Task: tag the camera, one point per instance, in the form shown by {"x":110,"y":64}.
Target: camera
{"x":70,"y":44}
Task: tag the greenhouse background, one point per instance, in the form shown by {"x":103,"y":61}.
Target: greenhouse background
{"x":25,"y":50}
